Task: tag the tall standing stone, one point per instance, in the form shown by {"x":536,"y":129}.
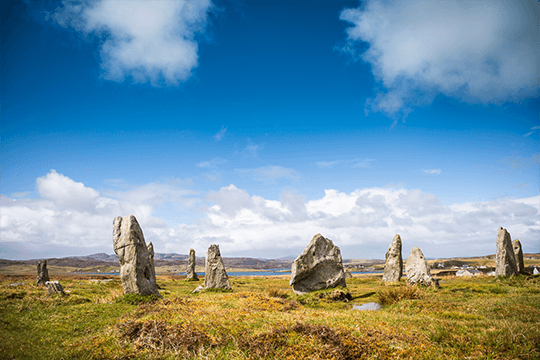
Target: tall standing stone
{"x":518,"y":254}
{"x":417,"y":269}
{"x":215,"y":276}
{"x":191,"y":274}
{"x":318,"y":267}
{"x":42,"y":272}
{"x":151,"y":254}
{"x":136,"y":265}
{"x":505,"y":260}
{"x":393,"y":268}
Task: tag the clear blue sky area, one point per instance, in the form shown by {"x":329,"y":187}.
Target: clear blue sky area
{"x":225,"y":122}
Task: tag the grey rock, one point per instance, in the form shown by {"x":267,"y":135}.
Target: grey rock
{"x":505,"y":260}
{"x":371,"y":306}
{"x":136,"y":262}
{"x":518,"y":254}
{"x":215,"y":276}
{"x":190,"y":270}
{"x":393,"y":268}
{"x":54,"y":287}
{"x":318,"y":267}
{"x":418,"y":270}
{"x":535,"y":271}
{"x":348,"y":275}
{"x":42,"y":272}
{"x":198,"y":288}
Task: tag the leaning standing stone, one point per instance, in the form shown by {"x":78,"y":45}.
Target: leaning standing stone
{"x":505,"y":260}
{"x":136,"y":265}
{"x":54,"y":287}
{"x":318,"y":267}
{"x":518,"y":254}
{"x":417,"y":269}
{"x":215,"y":276}
{"x":393,"y":268}
{"x":42,"y":272}
{"x":191,"y":274}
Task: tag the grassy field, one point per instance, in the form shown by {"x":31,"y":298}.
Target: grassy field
{"x":467,"y":318}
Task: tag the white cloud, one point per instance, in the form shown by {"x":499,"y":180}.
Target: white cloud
{"x":475,"y":51}
{"x":362,"y":222}
{"x":433,"y":171}
{"x":220,"y":134}
{"x":145,"y":40}
{"x":361,"y":163}
{"x":532,"y":131}
{"x":328,"y":164}
{"x":212,"y":163}
{"x":271,"y":173}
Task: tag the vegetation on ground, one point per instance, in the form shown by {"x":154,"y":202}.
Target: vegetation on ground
{"x":476,"y":318}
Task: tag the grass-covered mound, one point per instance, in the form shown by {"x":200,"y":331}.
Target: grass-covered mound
{"x":479,"y":318}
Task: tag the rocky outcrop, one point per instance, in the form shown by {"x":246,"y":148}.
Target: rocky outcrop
{"x":42,"y":272}
{"x":318,"y":267}
{"x":190,"y":270}
{"x":393,"y":268}
{"x":137,"y":270}
{"x":215,"y":276}
{"x":417,"y":269}
{"x":505,"y":260}
{"x":54,"y":287}
{"x":518,"y":254}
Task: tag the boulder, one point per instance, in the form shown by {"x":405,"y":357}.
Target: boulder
{"x":54,"y":287}
{"x":42,"y":272}
{"x":151,"y":254}
{"x":348,"y":275}
{"x":505,"y":260}
{"x":393,"y":268}
{"x":215,"y":276}
{"x":136,"y":263}
{"x":190,"y":270}
{"x":417,"y":269}
{"x":318,"y":267}
{"x":518,"y":254}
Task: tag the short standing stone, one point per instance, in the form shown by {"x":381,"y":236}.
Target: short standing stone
{"x":318,"y":267}
{"x":348,"y":275}
{"x":505,"y":260}
{"x":215,"y":276}
{"x":393,"y":268}
{"x":191,"y":274}
{"x":417,"y":269}
{"x":42,"y":272}
{"x":54,"y":287}
{"x":136,"y":265}
{"x":518,"y":254}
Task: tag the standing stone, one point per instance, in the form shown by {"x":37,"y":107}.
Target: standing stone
{"x":505,"y":260}
{"x":136,"y":265}
{"x":518,"y":254}
{"x":215,"y":276}
{"x":318,"y":267}
{"x":42,"y":272}
{"x":191,"y":274}
{"x":393,"y":268}
{"x":417,"y":269}
{"x":150,"y":248}
{"x":54,"y":287}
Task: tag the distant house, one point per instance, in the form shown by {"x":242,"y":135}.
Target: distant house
{"x":468,"y":272}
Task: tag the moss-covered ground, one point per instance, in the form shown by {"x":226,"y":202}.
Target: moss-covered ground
{"x":467,"y":318}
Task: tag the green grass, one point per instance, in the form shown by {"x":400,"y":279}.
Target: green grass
{"x":476,"y":318}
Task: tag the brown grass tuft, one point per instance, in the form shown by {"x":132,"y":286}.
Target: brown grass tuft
{"x":396,"y":294}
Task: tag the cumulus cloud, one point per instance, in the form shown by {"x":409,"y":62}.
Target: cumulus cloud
{"x":433,"y":171}
{"x":483,"y":51}
{"x":144,"y":40}
{"x":362,"y":223}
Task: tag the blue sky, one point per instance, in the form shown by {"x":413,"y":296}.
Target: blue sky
{"x":257,"y":124}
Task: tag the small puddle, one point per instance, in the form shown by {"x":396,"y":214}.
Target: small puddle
{"x":367,"y":306}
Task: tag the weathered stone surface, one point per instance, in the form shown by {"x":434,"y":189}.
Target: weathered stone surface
{"x":54,"y":287}
{"x":417,"y":269}
{"x":348,"y":275}
{"x":393,"y":268}
{"x":215,"y":276}
{"x":518,"y":254}
{"x":190,"y":270}
{"x":42,"y":272}
{"x":505,"y":260}
{"x":136,"y":261}
{"x":318,"y":267}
